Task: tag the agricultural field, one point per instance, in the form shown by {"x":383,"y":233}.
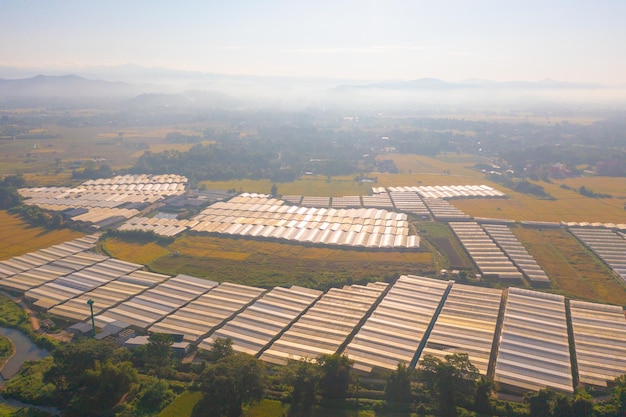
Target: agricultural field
{"x":53,"y":158}
{"x":18,"y":238}
{"x":268,"y":264}
{"x":568,"y":205}
{"x":574,"y":270}
{"x":521,"y":117}
{"x":447,"y":251}
{"x":414,"y":170}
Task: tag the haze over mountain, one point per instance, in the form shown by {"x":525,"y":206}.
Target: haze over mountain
{"x":136,"y":86}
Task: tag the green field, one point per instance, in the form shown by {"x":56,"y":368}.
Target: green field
{"x":267,"y":264}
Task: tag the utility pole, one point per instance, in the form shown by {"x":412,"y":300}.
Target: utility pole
{"x":93,"y":323}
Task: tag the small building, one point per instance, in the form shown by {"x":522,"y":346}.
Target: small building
{"x":112,"y":329}
{"x":178,"y":348}
{"x":80,"y":329}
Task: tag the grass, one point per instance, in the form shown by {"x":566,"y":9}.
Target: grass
{"x":267,"y":264}
{"x":265,"y":408}
{"x":574,"y":270}
{"x":17,"y":237}
{"x":11,"y":315}
{"x":6,"y":350}
{"x":183,"y":405}
{"x":7,"y":410}
{"x":446,"y":248}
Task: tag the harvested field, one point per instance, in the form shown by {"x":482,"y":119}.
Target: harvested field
{"x":568,"y":205}
{"x":18,"y":237}
{"x":573,"y":269}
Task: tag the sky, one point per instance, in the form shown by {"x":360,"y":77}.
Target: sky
{"x":453,"y":40}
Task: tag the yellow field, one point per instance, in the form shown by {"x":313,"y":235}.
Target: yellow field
{"x":138,"y":253}
{"x":18,"y":238}
{"x":573,"y":270}
{"x":569,"y":205}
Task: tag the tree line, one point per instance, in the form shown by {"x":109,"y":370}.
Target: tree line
{"x":97,"y":378}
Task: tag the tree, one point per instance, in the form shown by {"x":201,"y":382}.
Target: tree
{"x":398,"y":387}
{"x":335,"y":375}
{"x":102,"y":388}
{"x":618,"y":397}
{"x":155,"y":396}
{"x":228,"y":384}
{"x":482,"y":397}
{"x":304,"y":377}
{"x":73,"y":359}
{"x":562,"y":405}
{"x":158,"y":354}
{"x":582,"y":405}
{"x":9,"y":197}
{"x":540,"y":402}
{"x":221,"y":348}
{"x":274,"y":190}
{"x":451,"y":382}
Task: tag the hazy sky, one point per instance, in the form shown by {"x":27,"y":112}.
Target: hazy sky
{"x":568,"y":40}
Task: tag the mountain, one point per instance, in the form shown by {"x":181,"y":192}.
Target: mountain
{"x":184,"y":100}
{"x":64,"y":86}
{"x":435,"y":84}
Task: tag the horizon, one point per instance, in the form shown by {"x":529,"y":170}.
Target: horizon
{"x":371,"y":41}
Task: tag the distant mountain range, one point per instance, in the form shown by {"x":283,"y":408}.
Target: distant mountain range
{"x":437,"y":84}
{"x":136,"y":86}
{"x":64,"y":86}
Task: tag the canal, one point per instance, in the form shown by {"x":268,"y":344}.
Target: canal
{"x":25,"y":350}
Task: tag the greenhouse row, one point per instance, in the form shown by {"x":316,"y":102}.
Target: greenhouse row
{"x":444,"y":211}
{"x":78,"y":282}
{"x":265,"y":319}
{"x":203,"y":315}
{"x":407,"y":320}
{"x":466,"y":324}
{"x":409,"y":202}
{"x":382,"y":201}
{"x":600,"y":341}
{"x":326,"y":325}
{"x":268,"y":218}
{"x":147,"y":308}
{"x":396,"y":327}
{"x":512,"y":247}
{"x":107,"y":296}
{"x":487,"y":256}
{"x":105,"y":202}
{"x":534,"y":347}
{"x":163,"y":227}
{"x":451,"y":191}
{"x":137,"y":179}
{"x":29,"y":261}
{"x":607,"y":245}
{"x":597,"y":225}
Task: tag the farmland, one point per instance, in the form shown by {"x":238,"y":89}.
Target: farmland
{"x":574,"y":271}
{"x":18,"y":238}
{"x":266,"y":264}
{"x":568,"y":205}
